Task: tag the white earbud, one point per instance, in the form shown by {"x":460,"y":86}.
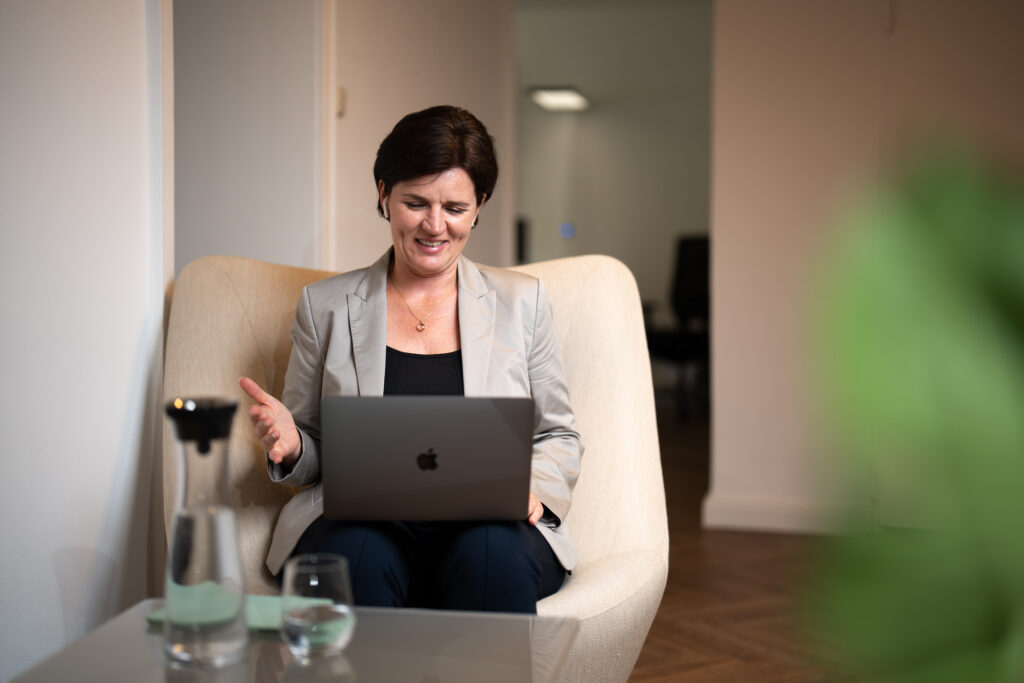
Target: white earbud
{"x":384,"y":209}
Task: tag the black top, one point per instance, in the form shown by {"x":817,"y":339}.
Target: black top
{"x":419,"y":374}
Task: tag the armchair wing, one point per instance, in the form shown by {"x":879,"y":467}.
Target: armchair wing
{"x":618,"y":517}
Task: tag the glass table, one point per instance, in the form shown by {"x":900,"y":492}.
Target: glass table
{"x":388,"y":645}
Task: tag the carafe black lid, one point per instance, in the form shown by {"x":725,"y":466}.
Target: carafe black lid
{"x":201,"y":419}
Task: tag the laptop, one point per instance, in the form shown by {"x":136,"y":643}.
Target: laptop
{"x":425,"y":458}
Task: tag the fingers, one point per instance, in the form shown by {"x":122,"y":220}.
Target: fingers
{"x":535,"y":510}
{"x":261,"y":419}
{"x":279,"y":449}
{"x":255,"y":391}
{"x":266,"y":433}
{"x":272,"y":445}
{"x":271,"y":419}
{"x":270,"y":438}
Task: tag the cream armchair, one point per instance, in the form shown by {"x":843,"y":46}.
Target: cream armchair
{"x":231,"y":317}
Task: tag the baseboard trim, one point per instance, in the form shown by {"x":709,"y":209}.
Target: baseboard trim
{"x":768,"y":514}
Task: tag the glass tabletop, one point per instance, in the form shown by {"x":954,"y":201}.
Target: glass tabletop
{"x":388,"y":645}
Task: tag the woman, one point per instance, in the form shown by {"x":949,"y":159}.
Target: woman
{"x":424,"y":319}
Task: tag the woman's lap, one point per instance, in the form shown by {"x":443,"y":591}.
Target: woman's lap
{"x":494,"y":566}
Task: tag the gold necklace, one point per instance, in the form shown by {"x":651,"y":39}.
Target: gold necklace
{"x":421,"y":322}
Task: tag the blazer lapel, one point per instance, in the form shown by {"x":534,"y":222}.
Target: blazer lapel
{"x":476,"y":327}
{"x":368,"y":320}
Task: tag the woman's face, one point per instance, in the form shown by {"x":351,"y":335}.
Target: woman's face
{"x":431,"y":218}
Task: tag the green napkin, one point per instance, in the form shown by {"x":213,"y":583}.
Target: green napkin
{"x":262,"y":612}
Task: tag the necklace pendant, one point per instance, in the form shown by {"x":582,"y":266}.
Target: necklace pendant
{"x":421,"y":327}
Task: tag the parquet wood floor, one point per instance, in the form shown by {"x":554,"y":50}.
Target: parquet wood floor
{"x":731,"y":609}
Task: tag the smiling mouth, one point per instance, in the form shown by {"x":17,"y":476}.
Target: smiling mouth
{"x":429,"y":243}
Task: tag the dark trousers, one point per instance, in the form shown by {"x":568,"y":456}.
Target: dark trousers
{"x":490,"y":566}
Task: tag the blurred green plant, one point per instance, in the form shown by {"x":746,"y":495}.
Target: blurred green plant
{"x":921,"y":357}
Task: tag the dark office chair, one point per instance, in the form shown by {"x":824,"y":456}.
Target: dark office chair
{"x":687,"y":344}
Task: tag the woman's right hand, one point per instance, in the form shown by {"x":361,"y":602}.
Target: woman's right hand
{"x":274,"y":425}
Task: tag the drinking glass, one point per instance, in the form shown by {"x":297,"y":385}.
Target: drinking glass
{"x":316,"y":617}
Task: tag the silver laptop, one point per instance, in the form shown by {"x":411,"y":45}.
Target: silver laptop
{"x":425,"y":458}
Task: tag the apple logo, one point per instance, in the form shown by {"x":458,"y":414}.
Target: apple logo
{"x":428,"y":460}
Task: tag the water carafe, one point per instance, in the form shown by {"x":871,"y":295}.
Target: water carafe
{"x":205,"y":615}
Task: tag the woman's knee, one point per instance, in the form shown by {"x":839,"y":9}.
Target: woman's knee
{"x":491,"y":566}
{"x":379,"y":565}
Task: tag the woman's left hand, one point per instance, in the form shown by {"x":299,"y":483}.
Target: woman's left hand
{"x":534,"y":510}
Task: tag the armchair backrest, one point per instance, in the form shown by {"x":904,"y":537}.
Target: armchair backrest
{"x":232,"y":316}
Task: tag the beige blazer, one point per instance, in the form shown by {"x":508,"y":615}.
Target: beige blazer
{"x":508,"y":349}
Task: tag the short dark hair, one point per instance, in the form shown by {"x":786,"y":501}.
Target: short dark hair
{"x":433,"y":141}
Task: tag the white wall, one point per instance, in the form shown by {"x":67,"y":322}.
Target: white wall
{"x":632,"y":171}
{"x":247,"y":132}
{"x":809,"y":96}
{"x":395,"y":57}
{"x":82,"y":271}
